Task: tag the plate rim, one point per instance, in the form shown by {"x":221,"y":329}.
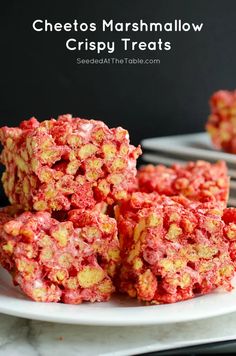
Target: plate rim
{"x":11,"y":305}
{"x":159,"y":144}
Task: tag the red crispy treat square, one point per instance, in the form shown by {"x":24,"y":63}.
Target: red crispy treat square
{"x":60,"y":261}
{"x":173,"y":249}
{"x":198,"y":181}
{"x":229,"y":218}
{"x":66,"y":163}
{"x":221,"y":124}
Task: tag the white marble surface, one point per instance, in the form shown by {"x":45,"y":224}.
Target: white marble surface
{"x":29,"y":337}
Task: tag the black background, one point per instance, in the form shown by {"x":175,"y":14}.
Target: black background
{"x":40,"y":77}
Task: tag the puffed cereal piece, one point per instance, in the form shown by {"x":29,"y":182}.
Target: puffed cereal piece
{"x":198,"y":181}
{"x":221,"y":124}
{"x":172,"y":249}
{"x":56,"y":261}
{"x":68,"y":163}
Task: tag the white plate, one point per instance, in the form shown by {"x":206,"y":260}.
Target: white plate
{"x":196,"y":146}
{"x":119,"y":311}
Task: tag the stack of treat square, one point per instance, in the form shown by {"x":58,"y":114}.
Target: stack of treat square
{"x":65,"y":173}
{"x":82,"y":223}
